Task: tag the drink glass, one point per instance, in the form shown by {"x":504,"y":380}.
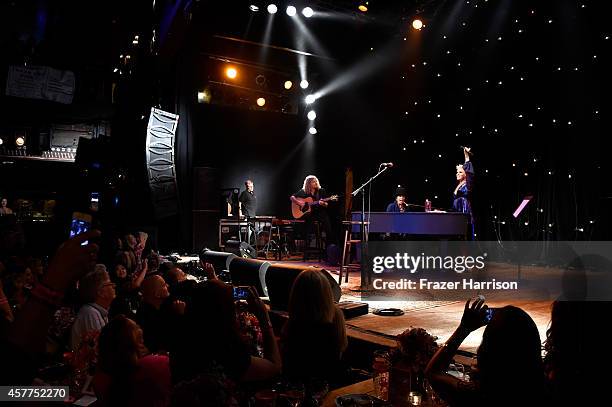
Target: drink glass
{"x":294,"y":394}
{"x":381,"y":366}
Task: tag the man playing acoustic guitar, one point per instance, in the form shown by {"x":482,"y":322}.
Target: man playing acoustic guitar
{"x":310,"y":203}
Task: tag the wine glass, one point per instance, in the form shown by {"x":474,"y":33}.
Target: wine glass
{"x":294,"y":394}
{"x":318,"y":389}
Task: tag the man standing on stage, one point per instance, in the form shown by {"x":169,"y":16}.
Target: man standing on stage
{"x":248,"y":201}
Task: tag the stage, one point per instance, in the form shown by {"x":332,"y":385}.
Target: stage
{"x":439,"y":318}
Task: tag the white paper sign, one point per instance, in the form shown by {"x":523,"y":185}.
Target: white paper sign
{"x":40,"y":82}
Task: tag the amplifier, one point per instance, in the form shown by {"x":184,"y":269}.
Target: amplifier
{"x":230,"y":229}
{"x":352,"y":309}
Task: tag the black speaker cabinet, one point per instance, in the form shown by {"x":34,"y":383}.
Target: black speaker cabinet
{"x":280,"y":278}
{"x":250,"y":272}
{"x":219,"y":260}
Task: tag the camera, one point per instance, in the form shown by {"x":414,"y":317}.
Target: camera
{"x":241,"y":293}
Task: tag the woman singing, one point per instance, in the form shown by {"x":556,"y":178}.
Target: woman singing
{"x":462,"y":194}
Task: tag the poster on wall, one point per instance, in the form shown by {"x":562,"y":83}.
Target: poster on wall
{"x":40,"y":82}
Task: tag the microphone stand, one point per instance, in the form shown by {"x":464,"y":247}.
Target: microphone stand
{"x":366,"y":275}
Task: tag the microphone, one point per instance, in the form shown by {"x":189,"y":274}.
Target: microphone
{"x":462,"y":149}
{"x":386,"y":165}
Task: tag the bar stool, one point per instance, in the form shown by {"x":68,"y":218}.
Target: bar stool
{"x":346,"y":248}
{"x":318,"y":241}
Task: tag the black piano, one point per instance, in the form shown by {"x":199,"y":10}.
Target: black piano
{"x":426,"y":224}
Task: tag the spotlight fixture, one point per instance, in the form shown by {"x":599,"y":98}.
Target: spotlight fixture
{"x":288,"y":85}
{"x":272,"y":9}
{"x":19,"y":141}
{"x":417,"y":24}
{"x":312,"y":115}
{"x":303,"y":84}
{"x":254,"y":8}
{"x":307,"y":12}
{"x":291,"y":11}
{"x":363,"y":6}
{"x":310,"y":99}
{"x":260,"y":80}
{"x":231,"y":73}
{"x":312,"y":130}
{"x":204,"y":96}
{"x":1,"y":141}
{"x":261,"y":102}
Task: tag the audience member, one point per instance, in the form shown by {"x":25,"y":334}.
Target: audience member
{"x":314,"y":337}
{"x":213,"y":343}
{"x":18,"y":284}
{"x":27,"y":334}
{"x":126,"y":375}
{"x":509,"y":364}
{"x":573,"y":364}
{"x":4,"y":209}
{"x":98,"y":292}
{"x":158,"y":314}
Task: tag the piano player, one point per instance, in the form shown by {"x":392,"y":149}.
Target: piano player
{"x":399,"y":204}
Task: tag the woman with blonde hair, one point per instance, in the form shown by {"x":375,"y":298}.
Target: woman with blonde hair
{"x":317,"y":209}
{"x":314,"y":338}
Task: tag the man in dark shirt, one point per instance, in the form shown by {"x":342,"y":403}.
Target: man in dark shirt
{"x":399,"y":205}
{"x":248,"y":208}
{"x":248,"y":200}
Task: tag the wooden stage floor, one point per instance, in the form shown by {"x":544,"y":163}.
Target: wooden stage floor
{"x":439,"y":318}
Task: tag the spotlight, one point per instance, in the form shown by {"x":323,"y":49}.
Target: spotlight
{"x":261,"y":102}
{"x":288,"y":85}
{"x":231,"y":73}
{"x":19,"y":141}
{"x":312,"y":115}
{"x":291,"y":11}
{"x":254,"y":8}
{"x":1,"y":141}
{"x":260,"y":80}
{"x":307,"y":12}
{"x":204,"y":96}
{"x":363,"y":6}
{"x":304,"y":84}
{"x":417,"y":24}
{"x":312,"y":130}
{"x":310,"y":99}
{"x":272,"y":9}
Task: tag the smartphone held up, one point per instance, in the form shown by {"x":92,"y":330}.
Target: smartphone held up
{"x":80,"y":223}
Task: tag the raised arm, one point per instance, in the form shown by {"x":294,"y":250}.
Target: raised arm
{"x":447,"y":386}
{"x":468,"y":168}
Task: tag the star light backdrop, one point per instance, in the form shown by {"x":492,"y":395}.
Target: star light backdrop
{"x":524,"y":85}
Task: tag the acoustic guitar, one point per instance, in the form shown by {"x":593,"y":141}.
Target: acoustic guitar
{"x":304,"y":205}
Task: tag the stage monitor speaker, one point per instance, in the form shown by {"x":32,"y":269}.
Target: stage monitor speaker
{"x":280,"y":278}
{"x":220,"y":260}
{"x":241,"y":249}
{"x":250,"y":272}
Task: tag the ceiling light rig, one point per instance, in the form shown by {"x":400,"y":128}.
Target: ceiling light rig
{"x":307,"y":12}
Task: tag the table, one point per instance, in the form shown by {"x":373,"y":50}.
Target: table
{"x":366,"y":386}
